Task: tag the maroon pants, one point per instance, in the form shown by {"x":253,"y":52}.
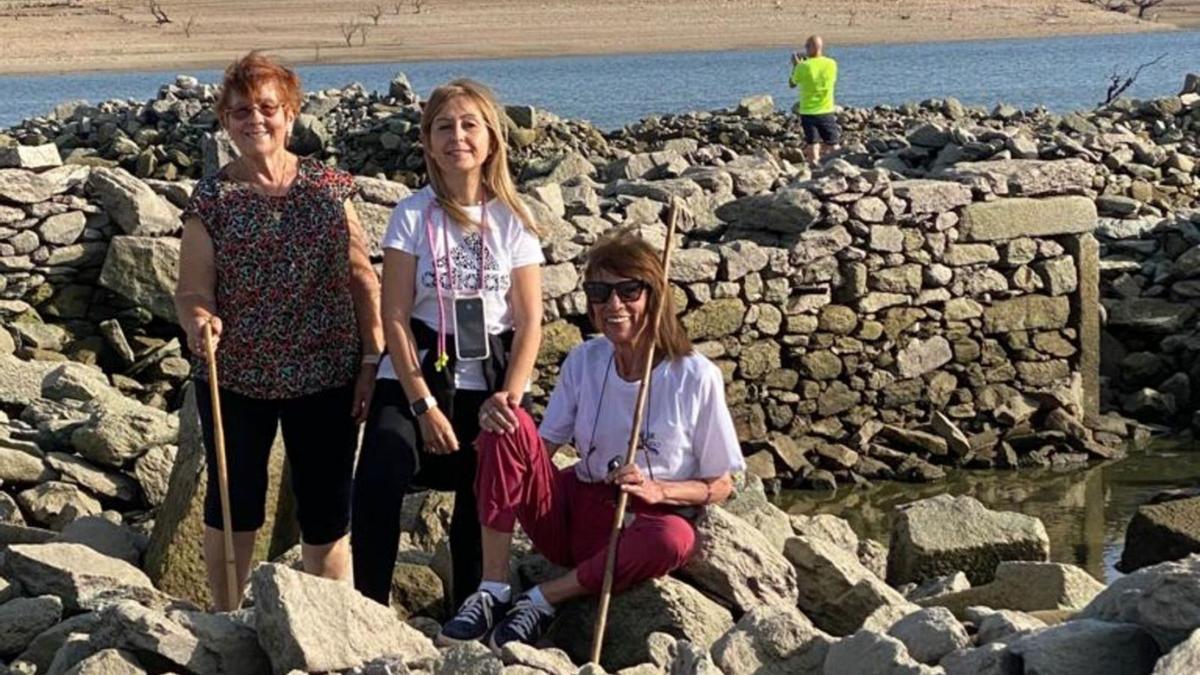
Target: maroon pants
{"x":568,"y":520}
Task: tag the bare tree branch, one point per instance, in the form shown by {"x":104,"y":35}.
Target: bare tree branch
{"x":187,"y":27}
{"x":375,"y":14}
{"x":1118,"y":83}
{"x":1143,"y":5}
{"x":348,"y":29}
{"x":417,"y":5}
{"x":160,"y":14}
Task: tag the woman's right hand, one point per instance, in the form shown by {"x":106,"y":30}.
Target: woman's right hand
{"x":194,"y":329}
{"x":437,"y":432}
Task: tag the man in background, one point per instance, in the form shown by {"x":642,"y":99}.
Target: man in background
{"x":815,"y":75}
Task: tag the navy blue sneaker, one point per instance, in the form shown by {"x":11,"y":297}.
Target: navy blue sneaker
{"x":477,"y":615}
{"x":523,"y":623}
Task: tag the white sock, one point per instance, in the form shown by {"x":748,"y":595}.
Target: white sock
{"x":540,"y":601}
{"x":498,"y":589}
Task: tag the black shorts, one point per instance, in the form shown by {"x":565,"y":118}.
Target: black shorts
{"x":320,"y":438}
{"x":825,"y":126}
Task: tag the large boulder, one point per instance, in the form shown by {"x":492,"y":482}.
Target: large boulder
{"x":128,"y":625}
{"x":73,"y":572}
{"x":40,"y":652}
{"x":116,"y":433}
{"x":21,"y":381}
{"x":737,"y":565}
{"x":108,"y":662}
{"x":749,"y":502}
{"x":772,"y":641}
{"x":313,"y":624}
{"x":1183,"y":660}
{"x":993,"y":659}
{"x":143,"y":270}
{"x":132,"y":204}
{"x":835,"y":590}
{"x":930,"y":634}
{"x":1160,"y":532}
{"x":1164,"y":599}
{"x":1087,"y":647}
{"x":23,"y":619}
{"x":867,"y":653}
{"x":1026,"y":587}
{"x":55,"y":504}
{"x":942,"y":535}
{"x":664,"y":605}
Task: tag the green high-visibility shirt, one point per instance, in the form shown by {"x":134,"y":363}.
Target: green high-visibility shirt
{"x":815,"y":77}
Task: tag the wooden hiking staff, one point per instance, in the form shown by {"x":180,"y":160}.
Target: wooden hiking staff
{"x":631,"y":453}
{"x":231,"y":585}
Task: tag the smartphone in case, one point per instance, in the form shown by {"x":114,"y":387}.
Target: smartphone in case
{"x":470,"y":329}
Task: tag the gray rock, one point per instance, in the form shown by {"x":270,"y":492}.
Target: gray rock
{"x":1184,"y":659}
{"x":229,"y":637}
{"x":772,"y":641}
{"x":930,"y":634}
{"x":694,"y":264}
{"x":21,"y":381}
{"x":1028,"y":587}
{"x":1087,"y":647}
{"x":867,"y":653}
{"x":1168,"y":530}
{"x":1002,"y":624}
{"x":115,"y":434}
{"x":993,"y":659}
{"x":663,"y":605}
{"x":128,"y":625}
{"x":932,"y":196}
{"x":10,"y":513}
{"x":23,"y":466}
{"x":108,"y":662}
{"x":922,"y":356}
{"x":835,"y":590}
{"x":77,"y":381}
{"x":749,"y":502}
{"x":63,"y":228}
{"x":54,"y":504}
{"x":1163,"y":599}
{"x":30,"y":157}
{"x":469,"y":657}
{"x":40,"y":652}
{"x":101,"y":483}
{"x":944,"y":534}
{"x":553,"y":661}
{"x":144,"y":270}
{"x":153,"y":471}
{"x":732,"y":562}
{"x":132,"y":204}
{"x":72,"y":572}
{"x":22,"y":619}
{"x":26,"y":187}
{"x":103,"y":536}
{"x":313,"y":624}
{"x":828,"y":527}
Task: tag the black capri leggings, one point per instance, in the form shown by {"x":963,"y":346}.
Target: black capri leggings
{"x":320,"y":438}
{"x":391,"y":461}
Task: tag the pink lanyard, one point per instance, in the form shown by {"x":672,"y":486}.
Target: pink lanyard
{"x":443,"y":357}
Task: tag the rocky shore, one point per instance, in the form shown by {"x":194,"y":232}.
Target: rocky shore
{"x":959,"y":288}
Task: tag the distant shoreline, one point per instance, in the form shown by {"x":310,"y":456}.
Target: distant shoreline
{"x":105,"y":36}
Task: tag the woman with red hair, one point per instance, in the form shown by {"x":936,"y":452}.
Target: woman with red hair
{"x":274,"y":261}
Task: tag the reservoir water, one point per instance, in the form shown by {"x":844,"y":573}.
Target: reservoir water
{"x":1064,"y":73}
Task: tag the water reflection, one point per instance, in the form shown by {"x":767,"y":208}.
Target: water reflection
{"x":1085,"y":510}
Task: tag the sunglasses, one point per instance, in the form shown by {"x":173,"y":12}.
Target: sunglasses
{"x":265,"y":109}
{"x":598,"y":292}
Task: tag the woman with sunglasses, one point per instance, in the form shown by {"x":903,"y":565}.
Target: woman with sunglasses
{"x":688,"y":448}
{"x":462,"y":311}
{"x":274,"y":261}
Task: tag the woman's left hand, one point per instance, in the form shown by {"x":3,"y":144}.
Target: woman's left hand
{"x":631,"y":481}
{"x":497,"y":413}
{"x":364,"y":388}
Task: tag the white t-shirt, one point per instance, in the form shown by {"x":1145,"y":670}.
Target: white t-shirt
{"x":689,"y":432}
{"x":508,"y":246}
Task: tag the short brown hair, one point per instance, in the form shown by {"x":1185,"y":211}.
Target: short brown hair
{"x":625,"y":254}
{"x":249,"y":74}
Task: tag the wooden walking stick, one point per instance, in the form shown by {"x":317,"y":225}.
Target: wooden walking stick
{"x":231,"y":582}
{"x":631,"y":453}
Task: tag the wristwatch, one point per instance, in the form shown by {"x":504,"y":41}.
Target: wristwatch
{"x":422,"y":405}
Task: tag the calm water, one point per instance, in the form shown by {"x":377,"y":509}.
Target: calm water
{"x":1062,"y":74}
{"x":1085,"y":510}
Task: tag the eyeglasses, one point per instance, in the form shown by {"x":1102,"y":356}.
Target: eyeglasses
{"x":264,"y":109}
{"x":598,"y":292}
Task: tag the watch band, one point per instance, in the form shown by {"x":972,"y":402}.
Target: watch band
{"x":422,"y":405}
{"x":371,"y":359}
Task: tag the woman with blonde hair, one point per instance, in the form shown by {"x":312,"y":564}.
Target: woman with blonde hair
{"x":274,"y":262}
{"x":462,"y":313}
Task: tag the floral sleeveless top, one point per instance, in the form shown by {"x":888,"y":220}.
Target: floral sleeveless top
{"x":283,"y":283}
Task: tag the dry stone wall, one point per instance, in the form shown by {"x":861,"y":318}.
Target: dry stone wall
{"x":869,"y":327}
